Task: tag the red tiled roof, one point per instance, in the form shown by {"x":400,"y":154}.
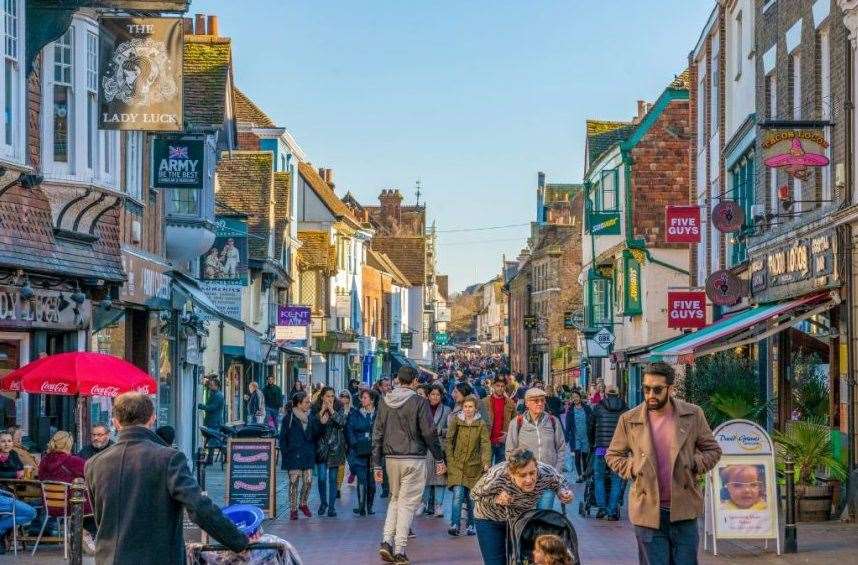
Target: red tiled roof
{"x":407,"y":253}
{"x":326,"y":194}
{"x":247,"y":111}
{"x":244,"y":185}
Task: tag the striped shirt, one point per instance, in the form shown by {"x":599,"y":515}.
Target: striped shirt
{"x":498,"y":479}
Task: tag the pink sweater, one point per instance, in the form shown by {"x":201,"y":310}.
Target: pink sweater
{"x":663,"y":430}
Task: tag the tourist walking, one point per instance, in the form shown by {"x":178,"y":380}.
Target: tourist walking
{"x":213,"y":419}
{"x":433,"y":494}
{"x":663,"y":445}
{"x":577,"y":428}
{"x":327,"y":415}
{"x":402,"y":434}
{"x":539,"y":432}
{"x":273,"y":396}
{"x":298,"y":452}
{"x":602,"y":425}
{"x":499,"y":411}
{"x":469,"y":455}
{"x":359,"y":439}
{"x":255,"y":404}
{"x":507,"y":491}
{"x":141,"y":491}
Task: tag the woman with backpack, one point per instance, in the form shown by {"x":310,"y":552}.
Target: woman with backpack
{"x":298,"y":452}
{"x":359,"y":438}
{"x":469,"y":455}
{"x":330,"y":421}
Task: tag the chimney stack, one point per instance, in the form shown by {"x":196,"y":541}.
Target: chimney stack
{"x":200,"y":24}
{"x":391,"y":205}
{"x":540,"y":179}
{"x":188,"y":26}
{"x":643,"y":108}
{"x":213,"y":27}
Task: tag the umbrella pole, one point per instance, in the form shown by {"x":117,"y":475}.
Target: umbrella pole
{"x":79,"y":422}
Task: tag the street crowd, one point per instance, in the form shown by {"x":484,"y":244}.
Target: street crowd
{"x":500,"y":444}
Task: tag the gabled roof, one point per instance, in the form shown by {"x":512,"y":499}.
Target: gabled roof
{"x":553,"y":238}
{"x":244,"y":185}
{"x":380,"y":261}
{"x":407,"y":253}
{"x":206,"y":69}
{"x":602,"y":135}
{"x":316,"y":252}
{"x":248,"y":112}
{"x":326,"y":194}
{"x":682,"y":80}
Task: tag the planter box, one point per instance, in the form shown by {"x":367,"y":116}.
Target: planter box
{"x":813,"y":503}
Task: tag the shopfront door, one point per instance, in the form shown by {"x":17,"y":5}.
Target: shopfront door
{"x":14,"y":353}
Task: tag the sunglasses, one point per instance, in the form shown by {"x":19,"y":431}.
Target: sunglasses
{"x":656,"y":390}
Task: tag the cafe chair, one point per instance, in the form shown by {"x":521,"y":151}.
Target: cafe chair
{"x":55,"y":495}
{"x":11,"y":514}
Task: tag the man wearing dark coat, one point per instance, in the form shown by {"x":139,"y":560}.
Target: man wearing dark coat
{"x":213,"y":407}
{"x":139,"y":489}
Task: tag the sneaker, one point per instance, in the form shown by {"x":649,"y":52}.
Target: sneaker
{"x":322,"y":509}
{"x":359,"y":511}
{"x":600,"y":515}
{"x":332,"y":513}
{"x":612,"y":518}
{"x":428,"y":511}
{"x":385,"y":551}
{"x":293,"y":515}
{"x":401,"y":559}
{"x":453,"y":531}
{"x":411,"y":534}
{"x":88,"y":543}
{"x":439,"y":510}
{"x":305,"y":510}
{"x":471,"y":531}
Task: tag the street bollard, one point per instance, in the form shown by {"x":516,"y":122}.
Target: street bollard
{"x":76,"y":501}
{"x":201,"y":468}
{"x":790,"y":537}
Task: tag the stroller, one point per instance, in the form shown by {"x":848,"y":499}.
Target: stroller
{"x":588,"y":503}
{"x":534,"y":523}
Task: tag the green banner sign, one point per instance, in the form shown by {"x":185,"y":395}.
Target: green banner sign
{"x":442,"y":338}
{"x":631,"y":285}
{"x":603,"y":223}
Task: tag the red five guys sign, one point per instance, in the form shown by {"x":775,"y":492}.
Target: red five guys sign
{"x":686,"y":309}
{"x":682,"y":224}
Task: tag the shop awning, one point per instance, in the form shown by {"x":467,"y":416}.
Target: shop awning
{"x":293,"y":349}
{"x":185,"y":288}
{"x":400,"y":360}
{"x":742,"y":328}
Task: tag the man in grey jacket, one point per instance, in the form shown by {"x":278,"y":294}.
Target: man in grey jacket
{"x":402,"y":434}
{"x":539,"y":432}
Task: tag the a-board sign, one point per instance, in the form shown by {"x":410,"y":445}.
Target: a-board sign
{"x":741,"y":500}
{"x":251,"y":473}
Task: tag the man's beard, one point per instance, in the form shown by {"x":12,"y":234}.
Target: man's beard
{"x":661,"y":403}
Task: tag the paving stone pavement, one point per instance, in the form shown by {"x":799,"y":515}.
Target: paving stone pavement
{"x":352,"y":540}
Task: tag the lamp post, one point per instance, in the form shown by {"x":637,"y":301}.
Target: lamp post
{"x":790,"y":538}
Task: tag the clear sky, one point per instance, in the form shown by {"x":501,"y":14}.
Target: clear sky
{"x":471,"y":96}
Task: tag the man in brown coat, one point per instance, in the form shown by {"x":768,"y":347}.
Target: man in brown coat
{"x":663,"y":445}
{"x":498,"y":409}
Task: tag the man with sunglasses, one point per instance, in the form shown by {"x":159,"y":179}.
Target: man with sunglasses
{"x":663,"y":445}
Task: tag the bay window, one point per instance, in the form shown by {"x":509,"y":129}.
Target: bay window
{"x":62,"y":107}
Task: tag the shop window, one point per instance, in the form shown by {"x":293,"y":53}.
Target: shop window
{"x":606,"y":191}
{"x":184,"y":201}
{"x":742,"y":179}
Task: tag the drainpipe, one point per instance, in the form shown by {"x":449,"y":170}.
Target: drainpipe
{"x":847,"y":197}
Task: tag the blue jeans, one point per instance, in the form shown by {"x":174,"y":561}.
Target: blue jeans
{"x":274,"y":415}
{"x":498,"y":453}
{"x":673,"y":543}
{"x":546,"y":500}
{"x":24,"y":513}
{"x":491,"y":536}
{"x":461,"y":494}
{"x":612,"y":504}
{"x":327,"y":481}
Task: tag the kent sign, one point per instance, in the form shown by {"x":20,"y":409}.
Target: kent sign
{"x":682,"y":224}
{"x":686,"y":309}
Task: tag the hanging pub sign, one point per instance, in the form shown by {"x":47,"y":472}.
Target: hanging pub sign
{"x":795,"y":268}
{"x":140,"y":74}
{"x":796,"y":151}
{"x":603,"y":223}
{"x":178,"y":161}
{"x":686,"y":309}
{"x":682,"y":224}
{"x":728,"y":216}
{"x":723,"y":288}
{"x":226,"y":261}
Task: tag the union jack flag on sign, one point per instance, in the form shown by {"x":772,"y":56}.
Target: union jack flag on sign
{"x":178,"y":152}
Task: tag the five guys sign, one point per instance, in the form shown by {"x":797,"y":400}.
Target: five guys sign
{"x":686,"y":309}
{"x":682,"y":224}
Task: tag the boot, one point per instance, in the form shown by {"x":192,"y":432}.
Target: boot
{"x":361,"y":501}
{"x":370,"y":497}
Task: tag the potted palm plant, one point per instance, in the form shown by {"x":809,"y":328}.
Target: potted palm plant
{"x":808,"y":445}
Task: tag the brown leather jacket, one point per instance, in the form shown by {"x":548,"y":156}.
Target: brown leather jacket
{"x":694,"y":452}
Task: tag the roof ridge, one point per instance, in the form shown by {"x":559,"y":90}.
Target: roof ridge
{"x":209,"y":39}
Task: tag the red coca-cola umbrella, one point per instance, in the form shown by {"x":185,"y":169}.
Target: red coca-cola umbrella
{"x":80,"y":373}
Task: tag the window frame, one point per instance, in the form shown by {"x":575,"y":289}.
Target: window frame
{"x":13,"y":141}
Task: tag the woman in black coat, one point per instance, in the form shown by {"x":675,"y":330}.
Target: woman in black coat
{"x":359,"y":439}
{"x":298,"y":452}
{"x":330,"y":421}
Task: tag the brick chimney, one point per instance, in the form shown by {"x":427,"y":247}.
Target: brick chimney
{"x":188,"y":26}
{"x":643,"y":108}
{"x":540,"y":179}
{"x":391,"y":205}
{"x":213,"y":26}
{"x":200,"y":24}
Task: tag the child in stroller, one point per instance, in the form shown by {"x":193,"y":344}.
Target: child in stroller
{"x":535,"y":523}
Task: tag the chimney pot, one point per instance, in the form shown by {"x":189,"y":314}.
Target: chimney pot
{"x":188,"y":26}
{"x":200,"y":24}
{"x":540,"y":179}
{"x":213,"y":27}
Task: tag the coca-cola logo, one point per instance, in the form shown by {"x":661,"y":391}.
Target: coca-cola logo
{"x":55,"y":388}
{"x":98,"y":390}
{"x":15,"y":386}
{"x":143,"y":388}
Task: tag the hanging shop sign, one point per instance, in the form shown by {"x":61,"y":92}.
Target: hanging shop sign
{"x":406,"y":340}
{"x":442,"y":338}
{"x":723,"y":288}
{"x":443,"y":314}
{"x":146,"y":281}
{"x":603,"y":223}
{"x":343,"y":306}
{"x":290,"y":333}
{"x":227,"y":298}
{"x":796,"y":151}
{"x":46,"y":309}
{"x":293,"y":315}
{"x":530,"y":322}
{"x":682,"y":224}
{"x":794,"y":269}
{"x":728,"y":216}
{"x":741,"y":500}
{"x":631,"y":275}
{"x":140,"y":74}
{"x":686,"y":309}
{"x":226,"y":261}
{"x":178,"y":161}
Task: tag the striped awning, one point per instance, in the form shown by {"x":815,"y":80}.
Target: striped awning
{"x":738,"y":329}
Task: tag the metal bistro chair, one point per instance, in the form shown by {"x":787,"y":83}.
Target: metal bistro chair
{"x":11,"y":495}
{"x":55,"y":495}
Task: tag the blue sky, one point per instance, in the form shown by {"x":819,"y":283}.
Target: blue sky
{"x":473,"y":97}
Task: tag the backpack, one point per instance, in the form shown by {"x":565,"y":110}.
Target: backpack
{"x":519,"y":421}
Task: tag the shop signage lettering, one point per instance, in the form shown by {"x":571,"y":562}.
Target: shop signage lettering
{"x":686,"y":309}
{"x":47,"y":309}
{"x":604,"y":223}
{"x":796,"y":151}
{"x":146,"y":281}
{"x":795,"y":268}
{"x":55,"y":388}
{"x":178,"y":162}
{"x":251,"y":475}
{"x":293,"y":315}
{"x":683,"y":224}
{"x":630,"y":284}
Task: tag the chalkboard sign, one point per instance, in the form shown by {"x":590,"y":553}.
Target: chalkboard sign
{"x":251,"y":473}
